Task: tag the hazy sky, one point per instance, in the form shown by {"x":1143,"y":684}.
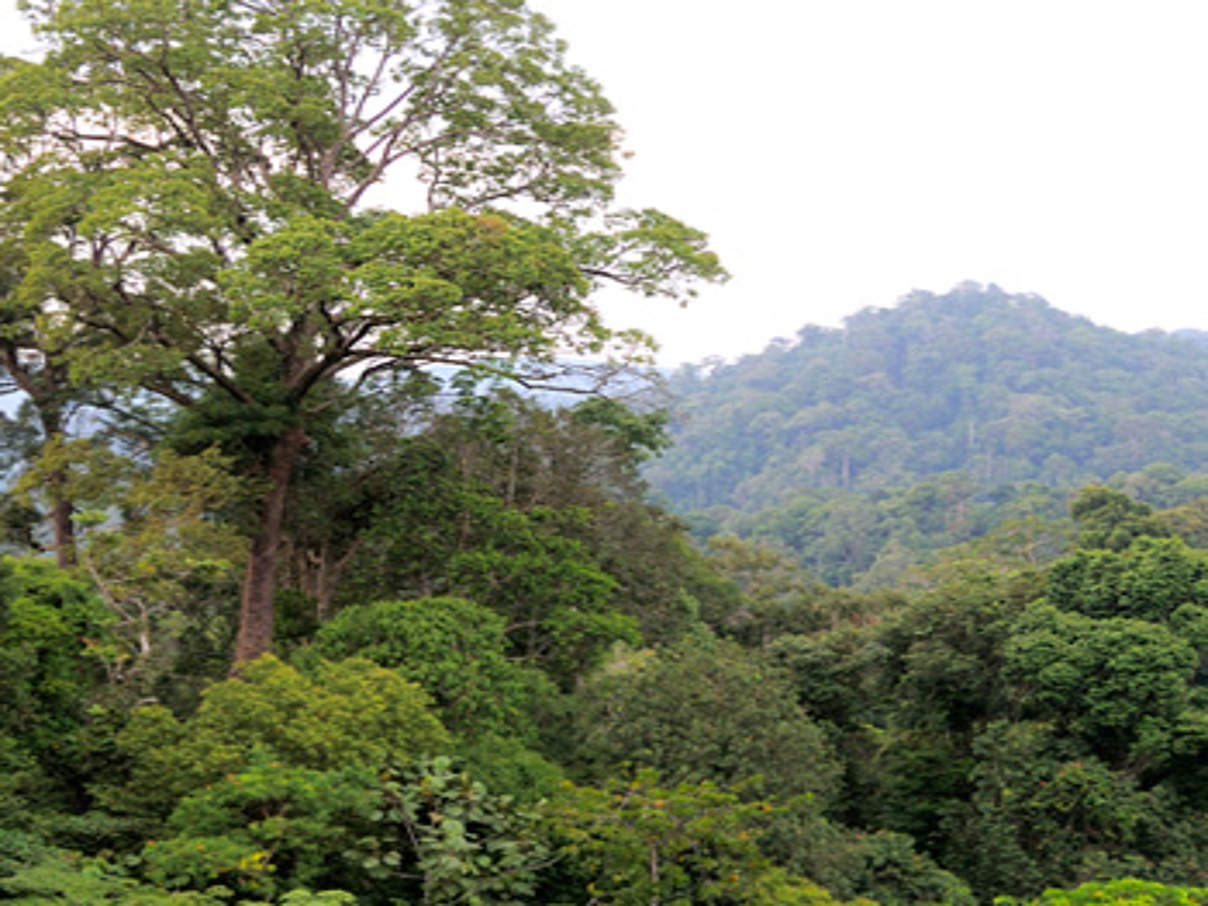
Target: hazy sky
{"x":842,"y":153}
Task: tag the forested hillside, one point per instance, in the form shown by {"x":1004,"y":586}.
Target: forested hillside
{"x":913,"y":428}
{"x":1003,"y":388}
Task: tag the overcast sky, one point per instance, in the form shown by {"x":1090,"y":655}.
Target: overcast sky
{"x":842,"y":153}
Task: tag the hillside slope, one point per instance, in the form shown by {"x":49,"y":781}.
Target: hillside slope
{"x":1003,"y":388}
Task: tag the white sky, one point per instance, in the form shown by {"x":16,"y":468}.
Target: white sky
{"x":843,"y":152}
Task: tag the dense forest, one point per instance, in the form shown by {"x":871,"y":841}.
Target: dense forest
{"x":311,"y":598}
{"x":1004,"y":388}
{"x":937,"y":422}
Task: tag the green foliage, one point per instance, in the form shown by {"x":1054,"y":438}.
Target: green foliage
{"x":18,"y":522}
{"x":439,"y":531}
{"x":411,"y":525}
{"x":67,"y":877}
{"x":455,"y":649}
{"x":53,"y":633}
{"x":638,"y":842}
{"x":263,"y":282}
{"x":1118,"y":684}
{"x":19,"y":848}
{"x":865,"y":449}
{"x":1189,"y":521}
{"x":904,"y":687}
{"x":1190,"y":622}
{"x":777,"y":595}
{"x":949,"y":642}
{"x":664,"y":583}
{"x":1110,"y":519}
{"x":901,"y":535}
{"x":418,"y":830}
{"x":195,"y":229}
{"x":152,"y":542}
{"x":641,"y":435}
{"x":506,"y":767}
{"x":892,"y":873}
{"x":533,"y":513}
{"x":883,"y":866}
{"x":320,"y":898}
{"x":833,"y":675}
{"x":556,"y":600}
{"x":63,"y":877}
{"x":267,"y":828}
{"x":1002,"y":388}
{"x":442,"y":835}
{"x":775,"y":886}
{"x":347,"y":714}
{"x":1044,"y":813}
{"x":502,"y":489}
{"x":1148,"y":580}
{"x":703,"y":709}
{"x":1124,"y":892}
{"x":334,"y":125}
{"x":51,"y":627}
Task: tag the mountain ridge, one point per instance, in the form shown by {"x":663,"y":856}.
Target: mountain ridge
{"x":1004,"y":387}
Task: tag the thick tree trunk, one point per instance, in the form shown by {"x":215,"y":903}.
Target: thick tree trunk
{"x":64,"y":530}
{"x":61,"y":508}
{"x":260,"y":579}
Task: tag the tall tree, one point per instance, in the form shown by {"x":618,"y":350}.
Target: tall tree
{"x":39,"y":372}
{"x":192,"y":178}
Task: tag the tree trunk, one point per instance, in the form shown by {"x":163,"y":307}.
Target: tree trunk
{"x":64,"y":528}
{"x":260,"y":578}
{"x":45,"y":387}
{"x":332,"y":574}
{"x":61,"y":508}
